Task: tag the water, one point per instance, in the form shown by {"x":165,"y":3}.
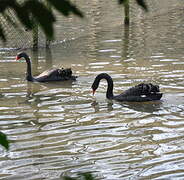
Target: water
{"x":60,"y":129}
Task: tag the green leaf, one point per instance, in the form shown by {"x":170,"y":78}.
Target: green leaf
{"x":65,"y":7}
{"x":86,"y":176}
{"x":21,"y":13}
{"x":68,"y":178}
{"x":4,"y":5}
{"x":42,"y":15}
{"x":83,"y":176}
{"x":3,"y":140}
{"x":142,"y":4}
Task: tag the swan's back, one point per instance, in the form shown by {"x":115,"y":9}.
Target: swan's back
{"x":141,"y":92}
{"x":142,"y":89}
{"x":56,"y":75}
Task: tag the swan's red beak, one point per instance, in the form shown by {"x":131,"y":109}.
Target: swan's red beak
{"x":93,"y":91}
{"x":17,"y":58}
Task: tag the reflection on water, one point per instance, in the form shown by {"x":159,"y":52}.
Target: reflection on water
{"x":59,"y":128}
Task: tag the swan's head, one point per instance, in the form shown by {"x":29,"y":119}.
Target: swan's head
{"x":97,"y":81}
{"x":94,"y":87}
{"x":20,"y":55}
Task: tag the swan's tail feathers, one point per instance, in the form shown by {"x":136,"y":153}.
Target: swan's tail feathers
{"x":66,"y":74}
{"x":142,"y":89}
{"x":148,"y":88}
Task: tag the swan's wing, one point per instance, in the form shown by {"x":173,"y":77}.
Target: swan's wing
{"x":48,"y":73}
{"x":56,"y":73}
{"x":141,"y":89}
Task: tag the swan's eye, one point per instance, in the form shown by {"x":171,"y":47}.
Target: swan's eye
{"x":93,"y":87}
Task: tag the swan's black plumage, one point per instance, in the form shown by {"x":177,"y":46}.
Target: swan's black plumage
{"x":46,"y":76}
{"x":139,"y":93}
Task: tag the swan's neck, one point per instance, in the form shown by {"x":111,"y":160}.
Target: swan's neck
{"x":29,"y":76}
{"x":109,"y":93}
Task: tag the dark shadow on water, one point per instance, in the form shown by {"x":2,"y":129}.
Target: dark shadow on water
{"x":149,"y":107}
{"x":96,"y":106}
{"x":34,"y":87}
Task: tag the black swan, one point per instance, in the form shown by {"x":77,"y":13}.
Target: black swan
{"x":139,"y":93}
{"x":46,"y":76}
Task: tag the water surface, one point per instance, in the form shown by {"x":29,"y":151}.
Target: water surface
{"x":59,"y":129}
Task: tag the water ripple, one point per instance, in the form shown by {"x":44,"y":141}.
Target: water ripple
{"x":60,"y":129}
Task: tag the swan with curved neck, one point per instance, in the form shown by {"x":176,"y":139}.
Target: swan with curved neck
{"x":46,"y":76}
{"x":139,"y":93}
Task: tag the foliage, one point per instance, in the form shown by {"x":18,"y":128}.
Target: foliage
{"x":30,"y":11}
{"x":3,"y":140}
{"x":81,"y":176}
